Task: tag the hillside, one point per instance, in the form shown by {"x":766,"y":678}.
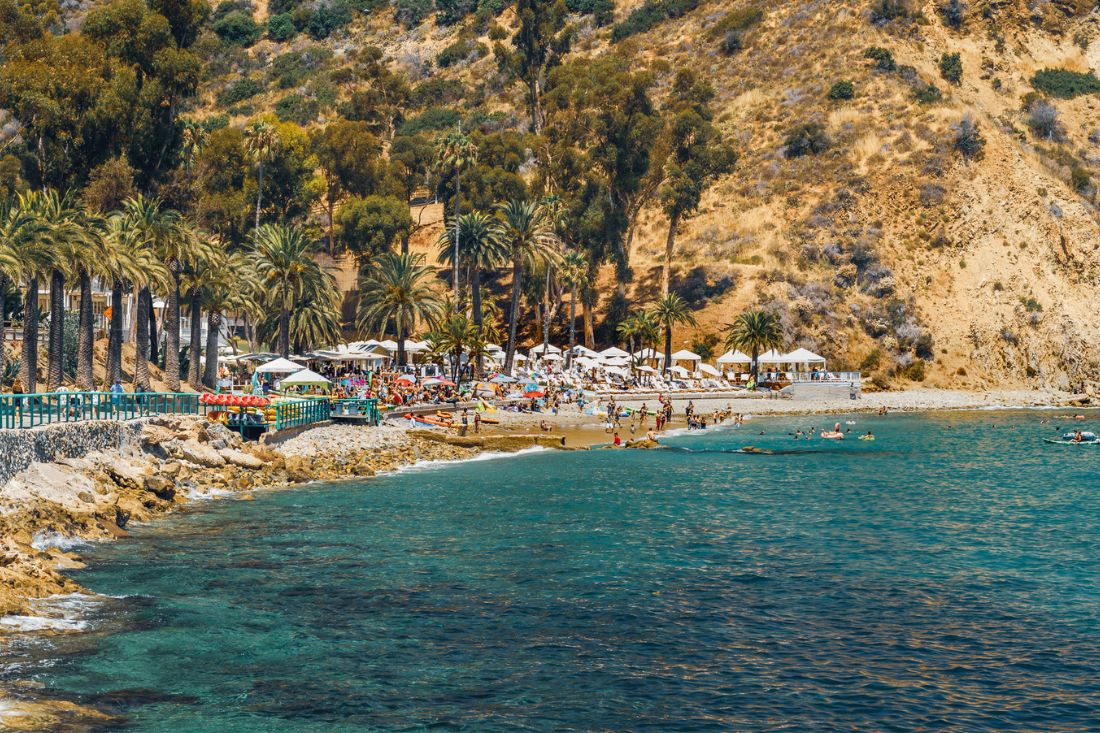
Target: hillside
{"x":854,"y":211}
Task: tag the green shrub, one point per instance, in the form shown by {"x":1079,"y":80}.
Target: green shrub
{"x":449,"y":12}
{"x":291,"y":69}
{"x":806,"y":139}
{"x":884,"y":60}
{"x":736,"y":20}
{"x":328,"y":18}
{"x":281,"y":27}
{"x":237,"y":28}
{"x":732,"y":43}
{"x":951,"y":67}
{"x":842,"y":90}
{"x":297,"y":108}
{"x":409,"y":13}
{"x":884,"y":11}
{"x":459,"y":51}
{"x":603,"y":12}
{"x":1065,"y":84}
{"x":649,"y":15}
{"x":1031,"y":305}
{"x":239,"y":91}
{"x":1080,"y":179}
{"x":953,"y":13}
{"x":871,"y":361}
{"x":280,"y":7}
{"x":915,"y":371}
{"x":927,"y":94}
{"x":437,"y":90}
{"x":924,"y":347}
{"x":434,"y":118}
{"x":968,"y":137}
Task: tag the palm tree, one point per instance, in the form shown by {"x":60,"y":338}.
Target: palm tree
{"x":397,"y":289}
{"x":668,"y":312}
{"x":67,"y":238}
{"x":453,"y":337}
{"x":754,"y":331}
{"x":485,"y":250}
{"x":36,"y":260}
{"x":244,"y":297}
{"x":287,"y":272}
{"x":456,"y":152}
{"x":94,"y":255}
{"x":261,"y":142}
{"x":574,"y":271}
{"x":530,"y":237}
{"x":24,"y":253}
{"x":200,"y":283}
{"x":126,"y":263}
{"x":167,"y":234}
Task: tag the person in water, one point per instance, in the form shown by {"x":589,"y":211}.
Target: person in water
{"x":868,"y":436}
{"x":617,"y":441}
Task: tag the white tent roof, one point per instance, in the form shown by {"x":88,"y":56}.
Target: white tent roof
{"x":803,"y":356}
{"x":550,"y":349}
{"x":679,"y":370}
{"x":708,"y":369}
{"x":772,"y":357}
{"x":580,"y":350}
{"x":615,"y":361}
{"x":388,"y":345}
{"x":618,"y":371}
{"x":734,"y":357}
{"x":614,"y":352}
{"x":279,"y":366}
{"x":519,"y":357}
{"x":685,"y":355}
{"x":648,"y":354}
{"x":551,"y":357}
{"x":305,"y":376}
{"x":646,"y":368}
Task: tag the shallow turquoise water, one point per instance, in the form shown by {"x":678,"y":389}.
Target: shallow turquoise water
{"x":942,"y":578}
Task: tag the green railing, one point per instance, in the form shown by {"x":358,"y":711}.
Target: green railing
{"x":354,"y":407}
{"x":46,"y":408}
{"x":301,"y":412}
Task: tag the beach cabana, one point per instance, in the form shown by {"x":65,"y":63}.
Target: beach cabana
{"x":805,"y":357}
{"x":680,"y":371}
{"x":550,"y":349}
{"x":647,"y":369}
{"x":279,"y":366}
{"x":580,"y":350}
{"x":734,"y":357}
{"x":613,"y":353}
{"x":772,"y":357}
{"x":685,"y":355}
{"x":551,"y":357}
{"x":615,"y":361}
{"x":304,"y":378}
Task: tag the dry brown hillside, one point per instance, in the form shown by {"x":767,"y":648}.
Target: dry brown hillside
{"x":889,"y":248}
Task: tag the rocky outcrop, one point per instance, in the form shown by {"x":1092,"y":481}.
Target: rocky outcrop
{"x":20,"y":448}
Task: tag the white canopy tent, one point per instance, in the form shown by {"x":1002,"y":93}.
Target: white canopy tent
{"x":304,"y":377}
{"x":614,"y":352}
{"x":551,"y":357}
{"x":646,"y":368}
{"x":617,"y":371}
{"x":646,"y":354}
{"x":772,"y":357}
{"x":615,"y":361}
{"x":685,"y":355}
{"x":580,"y":350}
{"x":550,"y":349}
{"x":680,"y":371}
{"x":734,"y":357}
{"x":804,"y":356}
{"x":708,"y":369}
{"x":388,"y":345}
{"x":279,"y":366}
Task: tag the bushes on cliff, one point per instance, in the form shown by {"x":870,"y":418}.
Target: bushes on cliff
{"x":951,"y":67}
{"x":953,"y":13}
{"x":884,"y":60}
{"x":649,"y":15}
{"x":805,"y":139}
{"x":843,"y":89}
{"x":1065,"y":84}
{"x":968,"y":138}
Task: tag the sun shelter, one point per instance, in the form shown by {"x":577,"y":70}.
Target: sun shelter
{"x":804,"y":357}
{"x":304,"y":378}
{"x":614,"y":353}
{"x":685,"y":355}
{"x":280,"y":366}
{"x":708,"y":369}
{"x":550,"y":349}
{"x":734,"y":357}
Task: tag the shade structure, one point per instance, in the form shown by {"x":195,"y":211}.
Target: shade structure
{"x":388,"y":345}
{"x":551,"y":357}
{"x":502,"y":379}
{"x":685,"y":355}
{"x":519,"y":357}
{"x":617,"y":371}
{"x":645,"y":354}
{"x":304,"y":377}
{"x":585,"y":363}
{"x":615,"y":361}
{"x":734,"y":357}
{"x":646,"y":368}
{"x":772,"y":357}
{"x":279,"y":366}
{"x":415,"y":347}
{"x":550,"y":349}
{"x":803,"y":356}
{"x":708,"y":369}
{"x":679,"y":371}
{"x":580,"y":350}
{"x":614,"y":352}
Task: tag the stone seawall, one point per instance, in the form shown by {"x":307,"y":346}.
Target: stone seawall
{"x":20,"y":448}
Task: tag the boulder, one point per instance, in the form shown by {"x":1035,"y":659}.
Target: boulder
{"x":162,"y":487}
{"x":240,"y":458}
{"x":200,"y":454}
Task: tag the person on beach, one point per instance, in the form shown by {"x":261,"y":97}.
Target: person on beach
{"x":617,"y":440}
{"x":477,"y":422}
{"x":651,"y":436}
{"x":643,"y":415}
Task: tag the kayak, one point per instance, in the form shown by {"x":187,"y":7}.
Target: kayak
{"x":1087,"y":438}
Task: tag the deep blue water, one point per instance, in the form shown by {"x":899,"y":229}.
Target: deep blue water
{"x":942,"y":578}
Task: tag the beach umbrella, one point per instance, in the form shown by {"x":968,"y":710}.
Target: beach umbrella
{"x":534,"y":393}
{"x":614,"y":352}
{"x":432,"y":381}
{"x":404,"y":379}
{"x":679,"y":371}
{"x":551,"y":357}
{"x":388,"y":345}
{"x":279,"y":366}
{"x":646,"y":354}
{"x":520,"y":357}
{"x":649,"y":369}
{"x":304,"y":377}
{"x":615,"y":361}
{"x":708,"y":369}
{"x":502,"y":379}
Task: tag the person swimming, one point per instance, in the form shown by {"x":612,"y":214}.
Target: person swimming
{"x":868,"y":436}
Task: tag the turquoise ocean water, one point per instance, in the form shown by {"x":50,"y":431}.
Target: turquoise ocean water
{"x":945,"y":577}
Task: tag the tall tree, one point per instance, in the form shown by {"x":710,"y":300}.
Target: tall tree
{"x":541,"y":41}
{"x":36,"y":260}
{"x":24,"y":251}
{"x":397,"y":289}
{"x":573,"y":273}
{"x":261,"y":143}
{"x":669,"y":312}
{"x":455,"y":152}
{"x":697,"y":156}
{"x":349,"y":158}
{"x":282,"y":256}
{"x":754,"y":332}
{"x":528,"y":231}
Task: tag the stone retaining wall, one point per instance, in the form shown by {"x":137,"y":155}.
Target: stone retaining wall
{"x":21,"y":448}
